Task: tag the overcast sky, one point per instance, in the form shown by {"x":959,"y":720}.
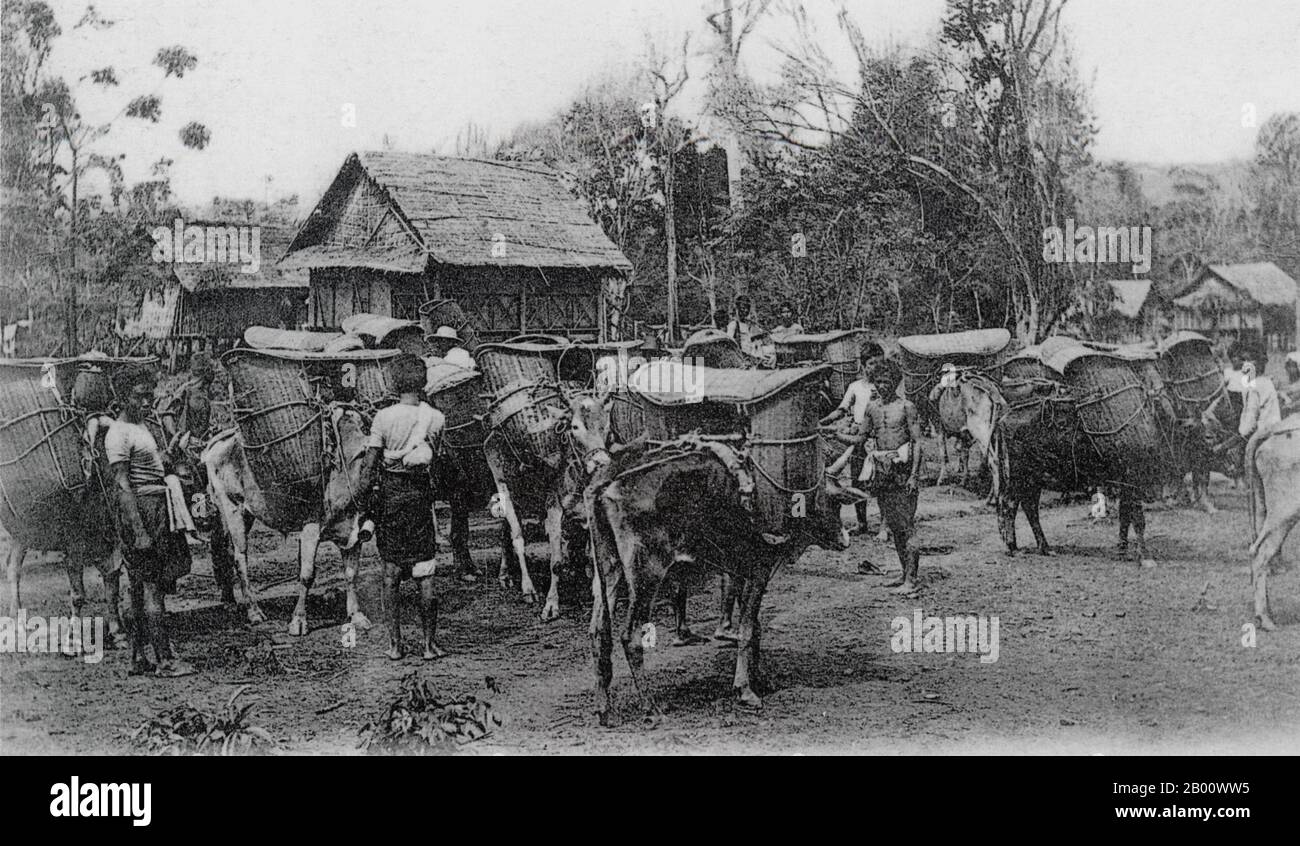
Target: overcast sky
{"x":1171,"y":77}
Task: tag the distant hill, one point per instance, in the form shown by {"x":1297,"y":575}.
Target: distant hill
{"x":1158,"y":180}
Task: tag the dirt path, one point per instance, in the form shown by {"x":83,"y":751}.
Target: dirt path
{"x":1096,"y":655}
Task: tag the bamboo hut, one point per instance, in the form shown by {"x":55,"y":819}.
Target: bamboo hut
{"x":506,"y":241}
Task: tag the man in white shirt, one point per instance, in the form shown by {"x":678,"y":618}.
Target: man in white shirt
{"x":400,"y":446}
{"x":154,"y":553}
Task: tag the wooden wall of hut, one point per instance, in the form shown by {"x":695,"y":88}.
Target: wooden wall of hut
{"x":500,"y":301}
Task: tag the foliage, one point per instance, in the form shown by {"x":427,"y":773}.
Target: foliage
{"x":185,"y":730}
{"x":418,"y":723}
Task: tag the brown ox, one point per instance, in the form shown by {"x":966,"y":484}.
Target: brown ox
{"x":651,"y":509}
{"x":239,"y":500}
{"x":1274,"y":482}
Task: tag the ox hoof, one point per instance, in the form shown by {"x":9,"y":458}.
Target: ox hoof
{"x":1266,"y":623}
{"x":256,"y":615}
{"x":298,"y":625}
{"x":530,"y":598}
{"x":604,"y":718}
{"x":360,"y":621}
{"x":883,"y":536}
{"x":747,"y":698}
{"x":1149,"y":563}
{"x":550,"y":611}
{"x":504,"y":581}
{"x":1047,"y":552}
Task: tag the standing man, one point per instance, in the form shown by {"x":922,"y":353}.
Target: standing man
{"x":892,"y":468}
{"x":789,"y":322}
{"x":856,"y":399}
{"x":154,"y":549}
{"x":401,"y":446}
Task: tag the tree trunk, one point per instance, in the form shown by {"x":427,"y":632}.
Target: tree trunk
{"x":670,"y":237}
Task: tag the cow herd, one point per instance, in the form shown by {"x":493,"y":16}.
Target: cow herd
{"x":642,"y":486}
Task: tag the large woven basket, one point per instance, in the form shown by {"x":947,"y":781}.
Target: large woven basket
{"x":527,"y":407}
{"x":437,"y":313}
{"x":1192,"y":375}
{"x":41,"y":480}
{"x":923,"y":356}
{"x":840,"y":350}
{"x":715,"y":348}
{"x":771,"y":414}
{"x":47,"y":495}
{"x":1115,"y":408}
{"x":280,"y":408}
{"x":458,"y":394}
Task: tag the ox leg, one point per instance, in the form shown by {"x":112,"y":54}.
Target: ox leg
{"x":1008,"y":505}
{"x":554,"y":527}
{"x":13,"y":574}
{"x":1125,"y":521}
{"x":351,"y":569}
{"x":234,"y":527}
{"x":643,"y":565}
{"x":727,"y":593}
{"x":1140,"y":533}
{"x":604,"y":583}
{"x":308,"y":541}
{"x":1030,"y":506}
{"x":74,"y":563}
{"x":458,"y":501}
{"x":1265,"y":552}
{"x":748,"y":670}
{"x":517,"y":542}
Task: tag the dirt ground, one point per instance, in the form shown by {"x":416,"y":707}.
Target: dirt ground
{"x":1097,"y":655}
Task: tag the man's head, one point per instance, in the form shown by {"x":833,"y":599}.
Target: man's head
{"x":409,"y":374}
{"x":885,"y":375}
{"x":743,"y":306}
{"x":786,"y":314}
{"x":135,"y":386}
{"x":1243,"y":351}
{"x":869,"y":353}
{"x":201,"y":367}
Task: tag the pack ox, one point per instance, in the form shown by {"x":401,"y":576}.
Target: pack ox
{"x":239,"y":500}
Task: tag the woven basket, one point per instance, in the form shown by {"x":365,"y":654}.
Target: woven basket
{"x":922,"y":357}
{"x":527,"y":407}
{"x":1114,"y":407}
{"x":841,"y":350}
{"x":41,"y":480}
{"x":437,"y":313}
{"x":1191,"y":373}
{"x":773,"y":416}
{"x":281,"y":424}
{"x":280,"y":407}
{"x":716,"y":349}
{"x":458,"y":394}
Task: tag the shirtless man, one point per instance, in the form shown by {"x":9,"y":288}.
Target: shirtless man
{"x":892,"y":468}
{"x":859,"y":394}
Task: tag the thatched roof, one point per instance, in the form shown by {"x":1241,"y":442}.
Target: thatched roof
{"x":1130,"y":295}
{"x":275,"y":240}
{"x":1262,"y":281}
{"x":451,"y":211}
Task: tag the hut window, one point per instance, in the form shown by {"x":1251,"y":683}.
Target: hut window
{"x":360,"y":297}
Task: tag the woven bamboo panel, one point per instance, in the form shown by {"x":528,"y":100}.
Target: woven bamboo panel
{"x":458,"y":394}
{"x":713,"y":348}
{"x":922,"y":356}
{"x":41,"y":480}
{"x":526,"y":407}
{"x":841,"y":350}
{"x":773,"y":414}
{"x":281,"y":422}
{"x":1116,"y":413}
{"x":449,"y":313}
{"x":1192,"y":375}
